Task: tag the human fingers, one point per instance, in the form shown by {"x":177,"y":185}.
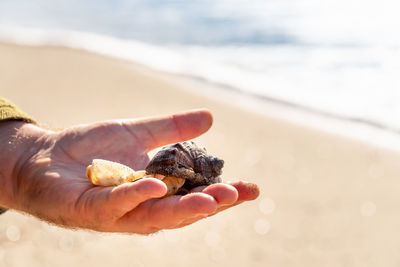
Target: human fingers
{"x":246,"y":192}
{"x":129,"y":195}
{"x":111,"y":203}
{"x":167,"y":213}
{"x":154,"y":132}
{"x":224,"y":194}
{"x":179,"y":211}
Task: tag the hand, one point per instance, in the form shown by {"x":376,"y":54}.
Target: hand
{"x":48,"y":178}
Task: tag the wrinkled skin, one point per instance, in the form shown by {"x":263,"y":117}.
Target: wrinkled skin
{"x":43,"y":174}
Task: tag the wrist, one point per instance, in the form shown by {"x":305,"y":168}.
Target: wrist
{"x":18,"y":142}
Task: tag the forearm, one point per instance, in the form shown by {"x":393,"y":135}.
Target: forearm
{"x":15,"y":143}
{"x":11,"y":120}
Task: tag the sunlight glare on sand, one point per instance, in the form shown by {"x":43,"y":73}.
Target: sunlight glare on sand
{"x":66,"y":243}
{"x":262,"y":226}
{"x":172,"y":236}
{"x":376,"y":171}
{"x":252,"y":156}
{"x":2,"y":253}
{"x":40,"y":237}
{"x":267,"y":205}
{"x":304,"y":176}
{"x":13,"y":233}
{"x":212,"y":238}
{"x":368,"y":208}
{"x":137,"y":264}
{"x":324,"y":151}
{"x":147,"y":243}
{"x":217,"y":254}
{"x":48,"y":228}
{"x":287,"y":162}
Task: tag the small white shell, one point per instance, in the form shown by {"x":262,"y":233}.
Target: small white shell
{"x":108,"y":173}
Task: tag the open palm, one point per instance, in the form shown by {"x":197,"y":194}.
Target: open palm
{"x":52,"y":182}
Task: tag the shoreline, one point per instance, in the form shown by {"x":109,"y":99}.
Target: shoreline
{"x":296,"y":114}
{"x":88,"y":42}
{"x":357,"y":129}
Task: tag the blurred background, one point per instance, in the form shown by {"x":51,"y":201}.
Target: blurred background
{"x":326,"y":199}
{"x":338,"y":57}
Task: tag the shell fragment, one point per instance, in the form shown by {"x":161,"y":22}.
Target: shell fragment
{"x":173,"y":183}
{"x":108,"y":173}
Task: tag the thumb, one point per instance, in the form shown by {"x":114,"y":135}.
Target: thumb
{"x":124,"y":198}
{"x":159,"y":131}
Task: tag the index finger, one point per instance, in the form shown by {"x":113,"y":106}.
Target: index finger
{"x":166,"y":213}
{"x":154,"y":132}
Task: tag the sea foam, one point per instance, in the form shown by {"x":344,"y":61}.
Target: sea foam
{"x":350,"y":82}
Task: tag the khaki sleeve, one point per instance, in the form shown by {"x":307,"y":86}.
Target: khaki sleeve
{"x":9,"y":111}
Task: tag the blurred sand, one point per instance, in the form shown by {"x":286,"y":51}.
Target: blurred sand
{"x":326,"y":200}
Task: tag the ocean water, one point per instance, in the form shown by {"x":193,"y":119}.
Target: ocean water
{"x":336,"y":57}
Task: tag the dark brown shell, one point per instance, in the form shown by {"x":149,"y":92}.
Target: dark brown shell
{"x":187,"y":160}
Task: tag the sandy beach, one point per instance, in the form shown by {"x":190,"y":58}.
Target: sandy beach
{"x":327,"y":198}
